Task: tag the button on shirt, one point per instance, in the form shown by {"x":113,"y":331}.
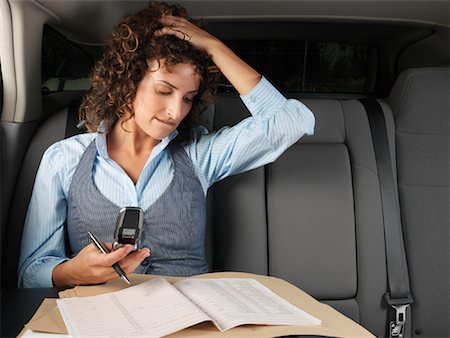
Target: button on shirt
{"x":276,"y":123}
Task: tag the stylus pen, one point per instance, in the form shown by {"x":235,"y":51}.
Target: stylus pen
{"x":115,"y":266}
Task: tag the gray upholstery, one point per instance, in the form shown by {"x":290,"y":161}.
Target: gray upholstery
{"x":420,"y":101}
{"x":52,"y":130}
{"x":239,"y":211}
{"x":321,"y":213}
{"x":314,"y":250}
{"x":239,"y":221}
{"x":368,"y":218}
{"x":338,"y":214}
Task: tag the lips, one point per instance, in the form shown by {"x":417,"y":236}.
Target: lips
{"x":166,"y":122}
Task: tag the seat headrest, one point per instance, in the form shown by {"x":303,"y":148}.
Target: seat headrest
{"x":421,"y":96}
{"x":330,"y":126}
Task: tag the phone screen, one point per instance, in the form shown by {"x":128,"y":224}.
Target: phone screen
{"x":131,"y":220}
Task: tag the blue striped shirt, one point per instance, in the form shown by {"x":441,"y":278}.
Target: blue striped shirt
{"x":276,"y":123}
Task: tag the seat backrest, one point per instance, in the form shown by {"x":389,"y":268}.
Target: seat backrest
{"x":239,"y":208}
{"x":420,"y":100}
{"x":50,"y":131}
{"x":313,"y":217}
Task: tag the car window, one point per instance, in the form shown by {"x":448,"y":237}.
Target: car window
{"x":292,"y":65}
{"x":66,"y":66}
{"x":307,"y":66}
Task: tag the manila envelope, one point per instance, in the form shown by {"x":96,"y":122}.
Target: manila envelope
{"x":334,"y":324}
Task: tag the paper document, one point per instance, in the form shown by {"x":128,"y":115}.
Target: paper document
{"x":158,"y":308}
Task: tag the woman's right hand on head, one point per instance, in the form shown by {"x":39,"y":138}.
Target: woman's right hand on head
{"x":242,"y":76}
{"x":187,"y":31}
{"x":90,"y":266}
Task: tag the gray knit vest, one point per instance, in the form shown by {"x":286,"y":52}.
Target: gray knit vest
{"x":174,"y":226}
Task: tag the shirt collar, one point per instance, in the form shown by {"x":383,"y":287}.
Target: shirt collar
{"x":100,"y":141}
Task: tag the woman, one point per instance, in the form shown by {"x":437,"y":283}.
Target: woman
{"x":146,"y":149}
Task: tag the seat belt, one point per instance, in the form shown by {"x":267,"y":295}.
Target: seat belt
{"x":399,"y":294}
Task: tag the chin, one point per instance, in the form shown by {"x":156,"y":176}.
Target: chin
{"x":158,"y":136}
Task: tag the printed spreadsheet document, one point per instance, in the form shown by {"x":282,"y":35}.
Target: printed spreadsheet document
{"x":158,"y":308}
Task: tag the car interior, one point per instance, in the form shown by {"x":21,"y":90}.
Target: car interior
{"x":317,"y":216}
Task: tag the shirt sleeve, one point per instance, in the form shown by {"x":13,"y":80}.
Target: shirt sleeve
{"x":276,"y":124}
{"x":43,"y":245}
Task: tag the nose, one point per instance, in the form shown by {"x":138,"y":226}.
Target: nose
{"x":174,"y":108}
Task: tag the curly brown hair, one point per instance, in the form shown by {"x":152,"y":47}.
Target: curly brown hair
{"x":131,"y":47}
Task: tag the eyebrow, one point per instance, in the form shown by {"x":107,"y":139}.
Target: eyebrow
{"x":174,"y":87}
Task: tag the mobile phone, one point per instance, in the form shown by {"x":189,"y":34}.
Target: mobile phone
{"x":128,"y":227}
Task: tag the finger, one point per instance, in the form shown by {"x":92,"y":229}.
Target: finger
{"x":176,"y":23}
{"x":135,"y":257}
{"x":186,"y":37}
{"x":133,"y":260}
{"x":107,"y":245}
{"x":170,"y":31}
{"x":104,"y":274}
{"x":167,"y":20}
{"x":113,"y":257}
{"x":90,"y":248}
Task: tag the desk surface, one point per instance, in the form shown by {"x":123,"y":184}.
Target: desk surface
{"x":19,"y":305}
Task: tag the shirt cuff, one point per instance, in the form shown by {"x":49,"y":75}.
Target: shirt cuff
{"x":263,"y":96}
{"x":40,"y":276}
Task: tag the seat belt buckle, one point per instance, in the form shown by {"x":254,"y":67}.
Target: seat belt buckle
{"x":397,"y":327}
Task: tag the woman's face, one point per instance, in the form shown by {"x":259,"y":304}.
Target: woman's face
{"x":164,"y":98}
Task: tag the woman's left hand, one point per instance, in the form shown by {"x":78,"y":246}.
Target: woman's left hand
{"x":184,"y":30}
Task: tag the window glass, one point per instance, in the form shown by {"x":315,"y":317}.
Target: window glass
{"x":66,"y":66}
{"x":292,"y":65}
{"x":306,"y":66}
